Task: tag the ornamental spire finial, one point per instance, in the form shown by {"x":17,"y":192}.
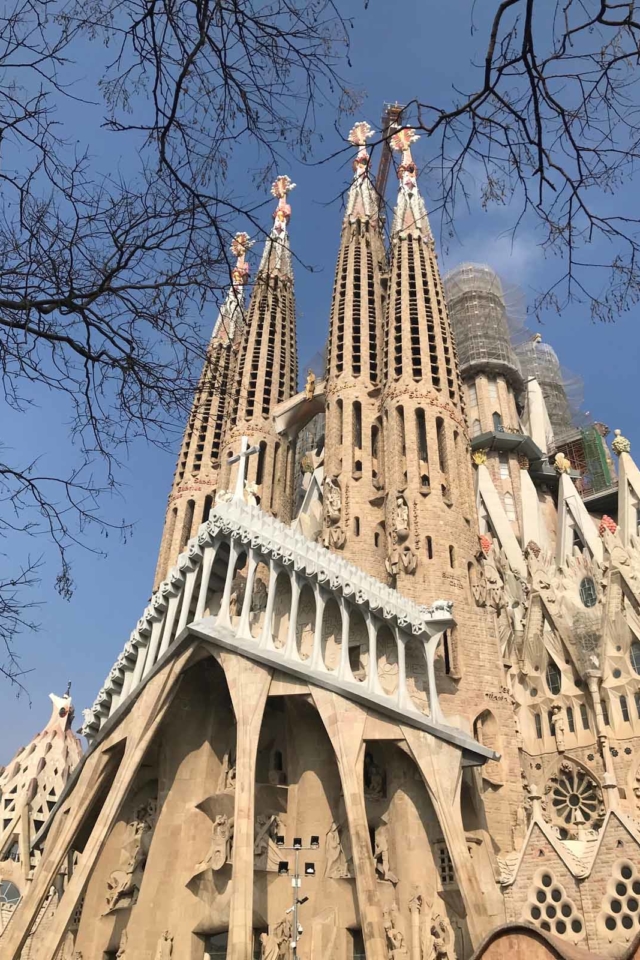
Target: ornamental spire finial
{"x":621,"y":444}
{"x":280,"y":188}
{"x":358,"y":136}
{"x":401,"y":142}
{"x":362,"y":202}
{"x":239,"y":247}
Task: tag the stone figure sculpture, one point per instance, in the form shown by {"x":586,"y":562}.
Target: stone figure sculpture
{"x":123,"y":884}
{"x":227,"y":779}
{"x":381,"y":853}
{"x":333,"y":500}
{"x":335,"y":867}
{"x":310,"y":385}
{"x":164,"y":950}
{"x":269,"y":947}
{"x":373,"y":779}
{"x":265,"y":851}
{"x":402,"y":518}
{"x":396,"y":942}
{"x":442,"y":941}
{"x":283,"y":932}
{"x":221,"y":844}
{"x":122,"y":949}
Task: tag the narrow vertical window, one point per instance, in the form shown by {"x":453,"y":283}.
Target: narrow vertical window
{"x":538,"y":721}
{"x":421,"y":435}
{"x":340,"y":420}
{"x":206,"y":510}
{"x":584,"y":716}
{"x":504,"y":466}
{"x":570,"y":721}
{"x":476,"y":428}
{"x":188,"y":522}
{"x":452,"y":557}
{"x":497,"y":422}
{"x":357,"y":424}
{"x":509,"y":507}
{"x":274,"y":474}
{"x":624,"y":709}
{"x":356,"y":526}
{"x":261,"y":458}
{"x":636,"y":698}
{"x":447,"y":653}
{"x":430,"y":554}
{"x":400,"y":426}
{"x":473,"y":395}
{"x":442,"y":444}
{"x":605,"y":712}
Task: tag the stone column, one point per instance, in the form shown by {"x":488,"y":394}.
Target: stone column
{"x":344,"y":722}
{"x":248,"y":685}
{"x":440,"y":766}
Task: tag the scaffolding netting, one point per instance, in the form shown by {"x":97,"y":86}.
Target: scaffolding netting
{"x":480,"y":318}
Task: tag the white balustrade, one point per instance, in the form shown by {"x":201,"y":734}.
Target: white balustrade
{"x":237,"y":532}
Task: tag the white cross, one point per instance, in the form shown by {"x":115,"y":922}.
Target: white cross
{"x":241,"y":459}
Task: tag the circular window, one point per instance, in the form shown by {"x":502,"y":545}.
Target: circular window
{"x":535,"y":913}
{"x":551,"y":912}
{"x":617,"y":673}
{"x":556,"y":895}
{"x":547,"y":880}
{"x":561,"y":927}
{"x":553,"y":677}
{"x":588,"y":593}
{"x":626,"y":872}
{"x":621,"y":889}
{"x":541,"y":896}
{"x":9,"y":893}
{"x":632,"y":904}
{"x":576,"y":926}
{"x":627,"y":922}
{"x":565,"y":910}
{"x":616,"y":906}
{"x":634,"y":654}
{"x":546,"y":926}
{"x":610,"y":923}
{"x":574,"y":795}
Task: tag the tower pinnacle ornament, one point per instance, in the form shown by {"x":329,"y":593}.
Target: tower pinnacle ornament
{"x":362,"y":202}
{"x":234,"y":301}
{"x":411,"y":213}
{"x":276,"y":257}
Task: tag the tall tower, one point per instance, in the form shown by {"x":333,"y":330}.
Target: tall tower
{"x":491,"y":374}
{"x":267,"y":369}
{"x":431,"y":517}
{"x":354,"y":465}
{"x":198,"y":470}
{"x":429,"y":508}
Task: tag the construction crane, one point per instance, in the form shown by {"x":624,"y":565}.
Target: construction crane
{"x":390,"y":122}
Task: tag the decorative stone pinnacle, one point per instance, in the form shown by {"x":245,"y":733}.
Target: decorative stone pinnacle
{"x":239,"y":247}
{"x":621,"y":444}
{"x":607,"y":524}
{"x":358,"y":136}
{"x":479,"y":457}
{"x":280,"y":188}
{"x":561,"y":463}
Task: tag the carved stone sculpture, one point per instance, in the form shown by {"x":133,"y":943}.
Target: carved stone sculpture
{"x":123,"y":884}
{"x":283,"y":933}
{"x":269,"y":947}
{"x":373,"y":779}
{"x":332,"y":500}
{"x":335,"y":861}
{"x":558,"y":727}
{"x":227,"y":779}
{"x":221,"y":844}
{"x":442,"y":939}
{"x":164,"y":950}
{"x":381,"y":854}
{"x":402,"y":519}
{"x":396,"y":942}
{"x":122,"y":949}
{"x":310,"y":385}
{"x":265,"y":851}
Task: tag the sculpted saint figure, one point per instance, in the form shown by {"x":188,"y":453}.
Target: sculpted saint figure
{"x":270,"y":948}
{"x":164,"y":949}
{"x":381,"y":854}
{"x":335,"y":861}
{"x":220,"y":848}
{"x":332,"y":499}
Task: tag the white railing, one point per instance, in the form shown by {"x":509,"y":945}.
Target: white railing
{"x":307,"y":612}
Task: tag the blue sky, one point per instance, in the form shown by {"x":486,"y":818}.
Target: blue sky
{"x":400,"y":52}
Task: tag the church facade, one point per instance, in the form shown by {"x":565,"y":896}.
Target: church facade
{"x":393,"y":715}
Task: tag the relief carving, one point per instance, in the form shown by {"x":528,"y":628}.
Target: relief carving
{"x":265,"y":852}
{"x":381,"y":853}
{"x":123,"y":885}
{"x":220,"y":849}
{"x":164,"y":950}
{"x":335,"y":861}
{"x":269,"y":949}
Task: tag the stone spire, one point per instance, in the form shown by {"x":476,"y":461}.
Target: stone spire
{"x":197,"y":472}
{"x":31,"y":784}
{"x":267,"y":369}
{"x":354,"y":476}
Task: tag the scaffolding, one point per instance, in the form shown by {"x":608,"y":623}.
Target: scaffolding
{"x":480,"y":322}
{"x":540,"y":360}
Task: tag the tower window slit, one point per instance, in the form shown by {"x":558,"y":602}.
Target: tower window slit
{"x":274,"y":475}
{"x":373,"y":326}
{"x":188,"y":523}
{"x":208,"y":503}
{"x":416,"y":360}
{"x":356,"y":413}
{"x":402,"y":440}
{"x":339,"y":405}
{"x":442,"y":446}
{"x":261,"y":458}
{"x":356,"y":346}
{"x":398,"y":316}
{"x":429,"y":548}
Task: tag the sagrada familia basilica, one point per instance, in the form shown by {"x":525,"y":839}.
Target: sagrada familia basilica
{"x":385,"y":700}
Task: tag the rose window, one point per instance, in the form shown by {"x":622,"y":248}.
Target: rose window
{"x":574,"y":798}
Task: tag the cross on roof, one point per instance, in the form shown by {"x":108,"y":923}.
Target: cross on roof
{"x":241,"y":459}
